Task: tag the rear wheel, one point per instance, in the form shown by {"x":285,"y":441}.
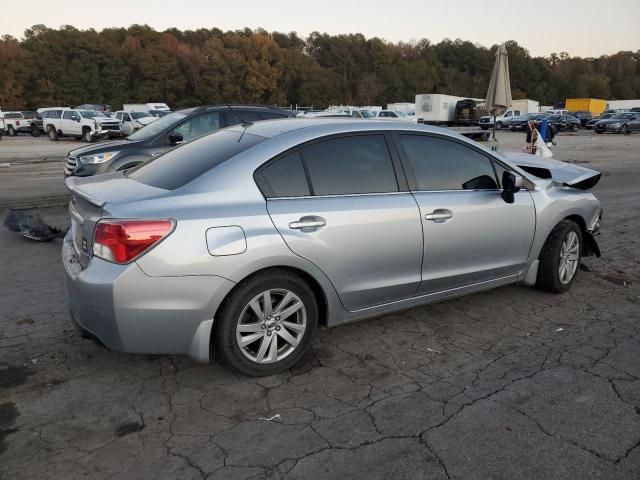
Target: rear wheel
{"x":53,"y":134}
{"x":560,"y":257}
{"x":267,"y":323}
{"x":35,"y":132}
{"x":11,"y":131}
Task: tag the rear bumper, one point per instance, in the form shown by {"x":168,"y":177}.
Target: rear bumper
{"x":128,"y":311}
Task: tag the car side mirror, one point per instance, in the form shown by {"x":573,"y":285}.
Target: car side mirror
{"x":74,"y":118}
{"x":511,"y":184}
{"x":176,"y":138}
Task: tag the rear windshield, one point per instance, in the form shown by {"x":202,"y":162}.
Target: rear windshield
{"x":180,"y":166}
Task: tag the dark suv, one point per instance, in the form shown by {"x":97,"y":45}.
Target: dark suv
{"x":583,"y":116}
{"x":162,"y":135}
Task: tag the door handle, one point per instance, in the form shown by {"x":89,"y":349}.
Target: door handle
{"x":311,"y":222}
{"x":439,"y":215}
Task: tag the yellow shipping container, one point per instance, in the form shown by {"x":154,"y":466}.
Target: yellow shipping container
{"x":593,"y":105}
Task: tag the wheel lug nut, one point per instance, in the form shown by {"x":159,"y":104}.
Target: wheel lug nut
{"x":278,"y":328}
{"x":269,"y":333}
{"x":263,"y":326}
{"x":277,"y":318}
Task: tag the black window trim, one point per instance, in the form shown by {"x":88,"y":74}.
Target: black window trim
{"x":411,"y":178}
{"x":401,"y":179}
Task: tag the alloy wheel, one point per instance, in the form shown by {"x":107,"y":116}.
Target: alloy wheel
{"x":271,"y":326}
{"x":569,"y":257}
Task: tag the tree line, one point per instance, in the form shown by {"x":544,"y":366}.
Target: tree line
{"x":67,"y":66}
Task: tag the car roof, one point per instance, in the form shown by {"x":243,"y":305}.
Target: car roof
{"x":327,"y":126}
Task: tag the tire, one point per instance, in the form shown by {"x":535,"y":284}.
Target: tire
{"x":498,"y":125}
{"x":599,"y":131}
{"x":237,"y":310}
{"x":560,"y":250}
{"x":624,"y":129}
{"x":11,"y":131}
{"x":484,"y":128}
{"x":35,"y":132}
{"x":86,"y":135}
{"x":53,"y":134}
{"x":513,"y":129}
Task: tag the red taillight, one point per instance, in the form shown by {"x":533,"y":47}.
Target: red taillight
{"x":17,"y":123}
{"x":121,"y":241}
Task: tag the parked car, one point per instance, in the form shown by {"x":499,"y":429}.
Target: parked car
{"x":363,"y":114}
{"x":36,"y":122}
{"x":133,"y":121}
{"x":591,"y":123}
{"x":161,"y":136}
{"x":393,"y":115}
{"x":502,"y":121}
{"x":620,"y":123}
{"x":564,"y":123}
{"x":583,"y":116}
{"x":557,"y":112}
{"x":520,"y":123}
{"x":88,"y":125}
{"x":244,"y":241}
{"x":15,"y":123}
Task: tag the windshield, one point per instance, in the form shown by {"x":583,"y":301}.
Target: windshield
{"x":90,"y":114}
{"x":157,"y":127}
{"x":622,"y":116}
{"x":139,"y":114}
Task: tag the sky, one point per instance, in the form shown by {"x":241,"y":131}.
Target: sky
{"x":586,"y":28}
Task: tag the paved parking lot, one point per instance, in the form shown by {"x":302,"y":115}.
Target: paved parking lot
{"x":508,"y":384}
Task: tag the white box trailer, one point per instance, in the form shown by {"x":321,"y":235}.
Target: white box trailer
{"x":436,"y":107}
{"x":622,"y":104}
{"x":404,"y":107}
{"x":526,"y":106}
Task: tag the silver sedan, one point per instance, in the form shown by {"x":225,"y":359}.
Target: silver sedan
{"x":245,"y":241}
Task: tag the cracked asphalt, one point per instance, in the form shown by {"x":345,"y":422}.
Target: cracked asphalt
{"x":512,"y":383}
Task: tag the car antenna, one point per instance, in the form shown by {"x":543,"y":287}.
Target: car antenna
{"x":245,"y":123}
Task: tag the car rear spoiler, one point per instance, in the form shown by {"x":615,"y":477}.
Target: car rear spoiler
{"x":546,"y":168}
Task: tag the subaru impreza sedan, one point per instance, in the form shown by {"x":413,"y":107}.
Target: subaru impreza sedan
{"x":244,"y":242}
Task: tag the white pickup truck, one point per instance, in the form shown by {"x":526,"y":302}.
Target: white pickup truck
{"x":133,"y":121}
{"x":87,"y":125}
{"x":15,"y":122}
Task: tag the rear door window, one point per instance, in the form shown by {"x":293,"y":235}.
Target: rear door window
{"x":350,"y":165}
{"x":439,"y":164}
{"x":185,"y":163}
{"x":285,"y":177}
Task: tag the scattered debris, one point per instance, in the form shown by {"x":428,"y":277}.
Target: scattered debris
{"x":269,"y":419}
{"x":34,"y":360}
{"x":5,"y":165}
{"x":29,"y":223}
{"x":129,"y":427}
{"x":433,"y":350}
{"x":559,"y":329}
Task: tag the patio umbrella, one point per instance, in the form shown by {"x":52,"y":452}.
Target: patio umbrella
{"x":499,"y":93}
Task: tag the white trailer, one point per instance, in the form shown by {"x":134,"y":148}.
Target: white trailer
{"x":623,"y":104}
{"x":436,"y":107}
{"x":404,"y":107}
{"x":526,"y":106}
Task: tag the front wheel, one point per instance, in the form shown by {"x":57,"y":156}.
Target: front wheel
{"x":35,"y":132}
{"x":267,"y":323}
{"x":86,"y":135}
{"x":560,"y":257}
{"x":499,"y":126}
{"x":624,"y":130}
{"x":53,"y":134}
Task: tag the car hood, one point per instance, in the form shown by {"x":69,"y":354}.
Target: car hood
{"x":609,"y":121}
{"x":146,"y":120}
{"x":101,"y":147}
{"x":546,"y":168}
